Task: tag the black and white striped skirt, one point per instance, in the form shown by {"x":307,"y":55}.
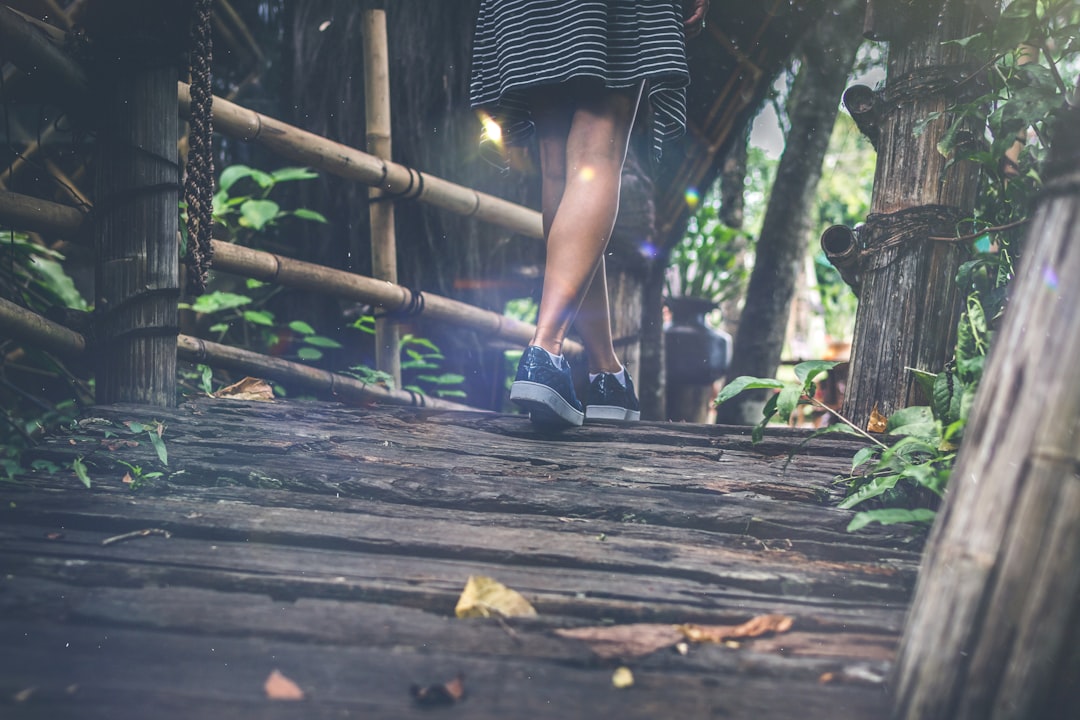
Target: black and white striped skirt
{"x":523,"y":43}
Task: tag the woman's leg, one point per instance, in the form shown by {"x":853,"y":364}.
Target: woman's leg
{"x":588,"y":126}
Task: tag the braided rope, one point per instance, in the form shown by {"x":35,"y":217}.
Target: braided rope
{"x":199,"y":182}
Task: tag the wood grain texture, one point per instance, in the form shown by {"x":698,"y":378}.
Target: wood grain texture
{"x":332,"y":544}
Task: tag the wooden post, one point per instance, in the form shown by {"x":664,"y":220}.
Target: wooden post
{"x":908,"y":300}
{"x":994,"y":630}
{"x":381,"y":212}
{"x":136,"y":195}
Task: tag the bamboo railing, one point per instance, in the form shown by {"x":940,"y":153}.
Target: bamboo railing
{"x":37,"y":45}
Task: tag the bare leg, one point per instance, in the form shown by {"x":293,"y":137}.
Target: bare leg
{"x":580,"y":202}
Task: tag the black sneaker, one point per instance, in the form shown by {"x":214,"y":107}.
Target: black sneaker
{"x":546,"y":391}
{"x":607,"y":399}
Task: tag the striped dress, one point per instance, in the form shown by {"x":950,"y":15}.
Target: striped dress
{"x":523,"y":43}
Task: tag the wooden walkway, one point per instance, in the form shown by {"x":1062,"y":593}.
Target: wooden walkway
{"x":331,"y":545}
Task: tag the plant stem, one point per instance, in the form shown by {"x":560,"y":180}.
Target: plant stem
{"x":817,"y":403}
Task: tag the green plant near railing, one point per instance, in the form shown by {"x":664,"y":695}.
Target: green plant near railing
{"x":708,"y":261}
{"x":243,"y":205}
{"x":901,"y":480}
{"x":421,"y":360}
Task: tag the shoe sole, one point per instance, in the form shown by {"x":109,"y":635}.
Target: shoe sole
{"x":611,"y":412}
{"x":547,"y":408}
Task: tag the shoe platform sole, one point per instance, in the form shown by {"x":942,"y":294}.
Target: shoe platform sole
{"x":547,"y":408}
{"x":611,"y":412}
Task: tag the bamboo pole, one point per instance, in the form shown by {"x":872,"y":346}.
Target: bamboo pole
{"x":29,"y":327}
{"x":22,"y":324}
{"x":994,"y":627}
{"x":34,"y":47}
{"x":27,"y":213}
{"x":380,"y":213}
{"x":197,"y":350}
{"x":343,"y":161}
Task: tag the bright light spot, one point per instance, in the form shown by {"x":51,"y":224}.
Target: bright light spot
{"x":1050,"y":278}
{"x":692,"y":198}
{"x":324,"y":24}
{"x":648,"y":250}
{"x":492,"y":130}
{"x":587,"y":174}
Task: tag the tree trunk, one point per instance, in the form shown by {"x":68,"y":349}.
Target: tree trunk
{"x":994,"y":630}
{"x":812,"y":107}
{"x":908,"y":299}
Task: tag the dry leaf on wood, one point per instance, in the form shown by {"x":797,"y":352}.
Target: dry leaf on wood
{"x":279,"y":687}
{"x":754,"y":627}
{"x":485,"y":597}
{"x":625,"y":641}
{"x":247,"y":389}
{"x":878,"y":423}
{"x":446,"y":693}
{"x":622,"y":677}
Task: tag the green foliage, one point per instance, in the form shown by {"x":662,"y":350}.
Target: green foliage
{"x":782,"y":403}
{"x":421,"y":359}
{"x":242,"y":202}
{"x":709,"y":261}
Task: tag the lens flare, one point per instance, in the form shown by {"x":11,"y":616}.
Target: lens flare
{"x":492,"y":129}
{"x":692,"y":198}
{"x":587,"y":173}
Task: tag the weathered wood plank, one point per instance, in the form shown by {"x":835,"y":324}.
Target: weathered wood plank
{"x":333,"y":543}
{"x":108,"y":670}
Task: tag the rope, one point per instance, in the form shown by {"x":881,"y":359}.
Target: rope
{"x":900,"y":229}
{"x":199,"y":183}
{"x":411,"y":307}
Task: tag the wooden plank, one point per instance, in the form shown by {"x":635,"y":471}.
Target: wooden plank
{"x":96,"y":672}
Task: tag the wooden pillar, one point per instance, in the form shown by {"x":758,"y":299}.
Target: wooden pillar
{"x":383,"y":240}
{"x":994,"y":630}
{"x":136,"y":194}
{"x":908,"y":299}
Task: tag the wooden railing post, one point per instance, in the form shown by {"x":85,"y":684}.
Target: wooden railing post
{"x":136,"y":194}
{"x":908,"y":298}
{"x":994,"y":629}
{"x":381,"y":212}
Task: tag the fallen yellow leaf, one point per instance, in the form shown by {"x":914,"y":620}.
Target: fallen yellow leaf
{"x":279,"y":687}
{"x":247,"y":389}
{"x":754,"y":627}
{"x":622,"y":677}
{"x":484,"y":597}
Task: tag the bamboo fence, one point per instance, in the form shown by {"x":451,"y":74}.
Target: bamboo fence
{"x":26,"y":325}
{"x":37,"y":46}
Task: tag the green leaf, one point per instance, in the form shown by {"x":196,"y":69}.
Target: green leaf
{"x":301,"y":327}
{"x":259,"y":317}
{"x":890,"y":516}
{"x":230,"y":175}
{"x":217,"y":301}
{"x":444,"y":379}
{"x":58,"y":282}
{"x":787,"y":401}
{"x":323,"y":342}
{"x":746,"y":382}
{"x":80,"y":471}
{"x":863,"y":456}
{"x":257,"y":214}
{"x":305,"y":214}
{"x":917,"y":421}
{"x":288,"y":174}
{"x":872,"y":489}
{"x":808,"y":371}
{"x":309,"y":353}
{"x":159,"y":446}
